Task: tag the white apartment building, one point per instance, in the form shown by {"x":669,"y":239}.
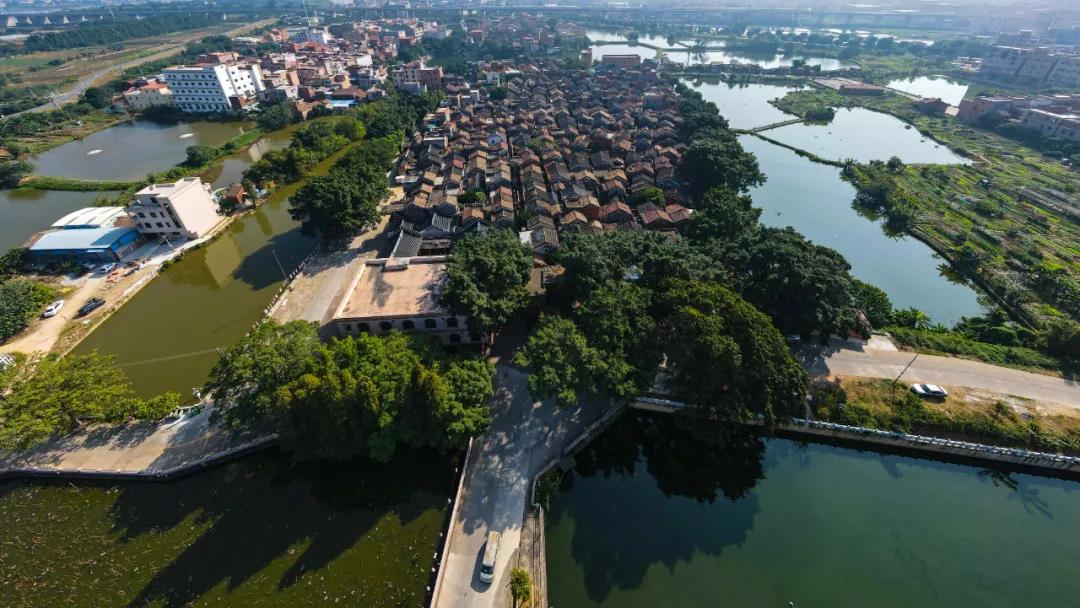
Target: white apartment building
{"x":185,"y":209}
{"x":213,"y":88}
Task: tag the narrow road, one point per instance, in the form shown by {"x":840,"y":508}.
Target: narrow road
{"x":849,"y":359}
{"x":522,"y":438}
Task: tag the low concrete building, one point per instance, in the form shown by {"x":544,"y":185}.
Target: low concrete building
{"x":401,"y":294}
{"x":93,"y":234}
{"x":184,"y":209}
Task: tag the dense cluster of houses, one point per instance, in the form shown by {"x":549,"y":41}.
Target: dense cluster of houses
{"x":544,"y":149}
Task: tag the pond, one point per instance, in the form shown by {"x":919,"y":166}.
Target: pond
{"x":131,"y":150}
{"x":949,"y":91}
{"x":659,"y":513}
{"x":816,"y":201}
{"x":864,"y":135}
{"x":745,"y":106}
{"x":166,"y":337}
{"x":24,"y":212}
{"x":259,"y":531}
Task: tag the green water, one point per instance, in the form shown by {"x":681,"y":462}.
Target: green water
{"x":811,"y":524}
{"x":745,"y":106}
{"x":165,"y":337}
{"x":25,"y":212}
{"x":257,"y":532}
{"x":130,"y":150}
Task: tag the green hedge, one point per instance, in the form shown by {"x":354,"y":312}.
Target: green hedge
{"x":949,"y":343}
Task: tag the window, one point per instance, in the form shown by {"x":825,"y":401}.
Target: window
{"x":455,"y":338}
{"x":407,"y":325}
{"x":152,"y":214}
{"x":430,"y":324}
{"x":348,"y":328}
{"x":386,"y":326}
{"x":141,"y":214}
{"x":159,"y":225}
{"x":451,"y":322}
{"x":362,"y":327}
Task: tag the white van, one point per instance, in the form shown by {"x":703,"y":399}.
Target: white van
{"x":491,"y":551}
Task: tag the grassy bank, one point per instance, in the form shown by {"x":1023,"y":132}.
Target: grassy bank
{"x":1009,"y":221}
{"x":51,"y":182}
{"x":950,"y":344}
{"x":964,"y":414}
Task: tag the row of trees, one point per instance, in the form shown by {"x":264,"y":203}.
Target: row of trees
{"x":310,"y":144}
{"x":111,"y":32}
{"x":352,"y":397}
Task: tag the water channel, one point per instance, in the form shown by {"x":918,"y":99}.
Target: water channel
{"x":766,"y":522}
{"x":257,"y":532}
{"x":945,"y":89}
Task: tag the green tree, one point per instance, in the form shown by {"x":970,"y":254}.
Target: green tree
{"x":248,"y":374}
{"x":724,"y":226}
{"x":277,"y":116}
{"x":13,"y":172}
{"x":804,"y":287}
{"x":726,"y":357}
{"x":911,"y":318}
{"x":498,"y":93}
{"x":200,"y":155}
{"x":333,"y":205}
{"x":486,"y":278}
{"x":520,"y":586}
{"x":561,"y":363}
{"x":716,"y":158}
{"x":64,"y":395}
{"x":20,"y":301}
{"x":97,"y":97}
{"x":873,"y":302}
{"x":617,"y":319}
{"x":472,"y":198}
{"x":652,"y":194}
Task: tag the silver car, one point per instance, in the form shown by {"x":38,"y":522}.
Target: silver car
{"x":929,"y":390}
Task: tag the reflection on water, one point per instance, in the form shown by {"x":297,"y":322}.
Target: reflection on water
{"x":259,"y":531}
{"x":130,"y":150}
{"x":949,"y":91}
{"x":745,"y":106}
{"x":816,"y":201}
{"x":663,"y":513}
{"x":679,"y":54}
{"x":864,"y":135}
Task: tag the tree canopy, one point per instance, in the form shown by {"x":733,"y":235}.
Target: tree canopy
{"x":561,"y":362}
{"x":486,"y":277}
{"x":20,"y":301}
{"x":716,"y":159}
{"x":56,"y":396}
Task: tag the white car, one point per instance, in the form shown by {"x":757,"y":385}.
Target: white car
{"x":107,"y":268}
{"x":52,"y":309}
{"x":929,"y":390}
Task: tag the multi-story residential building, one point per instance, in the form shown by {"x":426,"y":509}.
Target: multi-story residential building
{"x":150,"y":94}
{"x":1003,"y":62}
{"x":416,"y":71}
{"x":1062,"y":124}
{"x":206,"y":88}
{"x":1066,"y":74}
{"x":184,"y":209}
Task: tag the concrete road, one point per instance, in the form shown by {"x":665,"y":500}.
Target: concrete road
{"x":852,"y":359}
{"x":522,"y":438}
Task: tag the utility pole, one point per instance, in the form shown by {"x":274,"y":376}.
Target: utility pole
{"x":897,"y":380}
{"x":284,"y":276}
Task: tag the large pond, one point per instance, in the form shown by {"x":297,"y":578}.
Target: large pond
{"x":949,"y":91}
{"x":166,"y":337}
{"x":679,"y":53}
{"x":663,"y":514}
{"x":864,"y":135}
{"x":133,"y":149}
{"x":256,"y":532}
{"x":816,"y":201}
{"x":745,"y":106}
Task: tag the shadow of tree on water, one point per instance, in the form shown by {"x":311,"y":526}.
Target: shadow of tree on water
{"x":625,"y":518}
{"x":264,"y":508}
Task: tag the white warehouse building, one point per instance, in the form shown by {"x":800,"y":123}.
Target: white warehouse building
{"x":209,"y":88}
{"x":185,"y":209}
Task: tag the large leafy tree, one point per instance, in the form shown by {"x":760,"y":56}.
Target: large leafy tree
{"x":333,"y":205}
{"x":804,"y":287}
{"x":244,"y":381}
{"x":20,"y":301}
{"x":716,"y":159}
{"x":487,"y":276}
{"x":874,"y":303}
{"x":617,"y":319}
{"x":726,"y":356}
{"x":57,"y":396}
{"x":724,"y":225}
{"x":561,"y":362}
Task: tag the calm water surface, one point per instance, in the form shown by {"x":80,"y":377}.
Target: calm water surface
{"x":256,"y":532}
{"x":165,"y":337}
{"x":131,"y":150}
{"x":813,"y":199}
{"x":678,"y":55}
{"x":949,"y":91}
{"x":24,"y":212}
{"x":651,"y":520}
{"x":864,"y":135}
{"x":745,"y":106}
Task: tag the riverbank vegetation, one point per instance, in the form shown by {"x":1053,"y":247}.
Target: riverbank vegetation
{"x":1007,"y":221}
{"x":110,"y":32}
{"x":965,"y":414}
{"x":49,"y":397}
{"x":362,"y":396}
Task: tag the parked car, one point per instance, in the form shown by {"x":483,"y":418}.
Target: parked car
{"x":107,"y":268}
{"x":929,"y":390}
{"x":91,"y":305}
{"x":52,"y":309}
{"x":491,"y":553}
{"x":793,"y":339}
